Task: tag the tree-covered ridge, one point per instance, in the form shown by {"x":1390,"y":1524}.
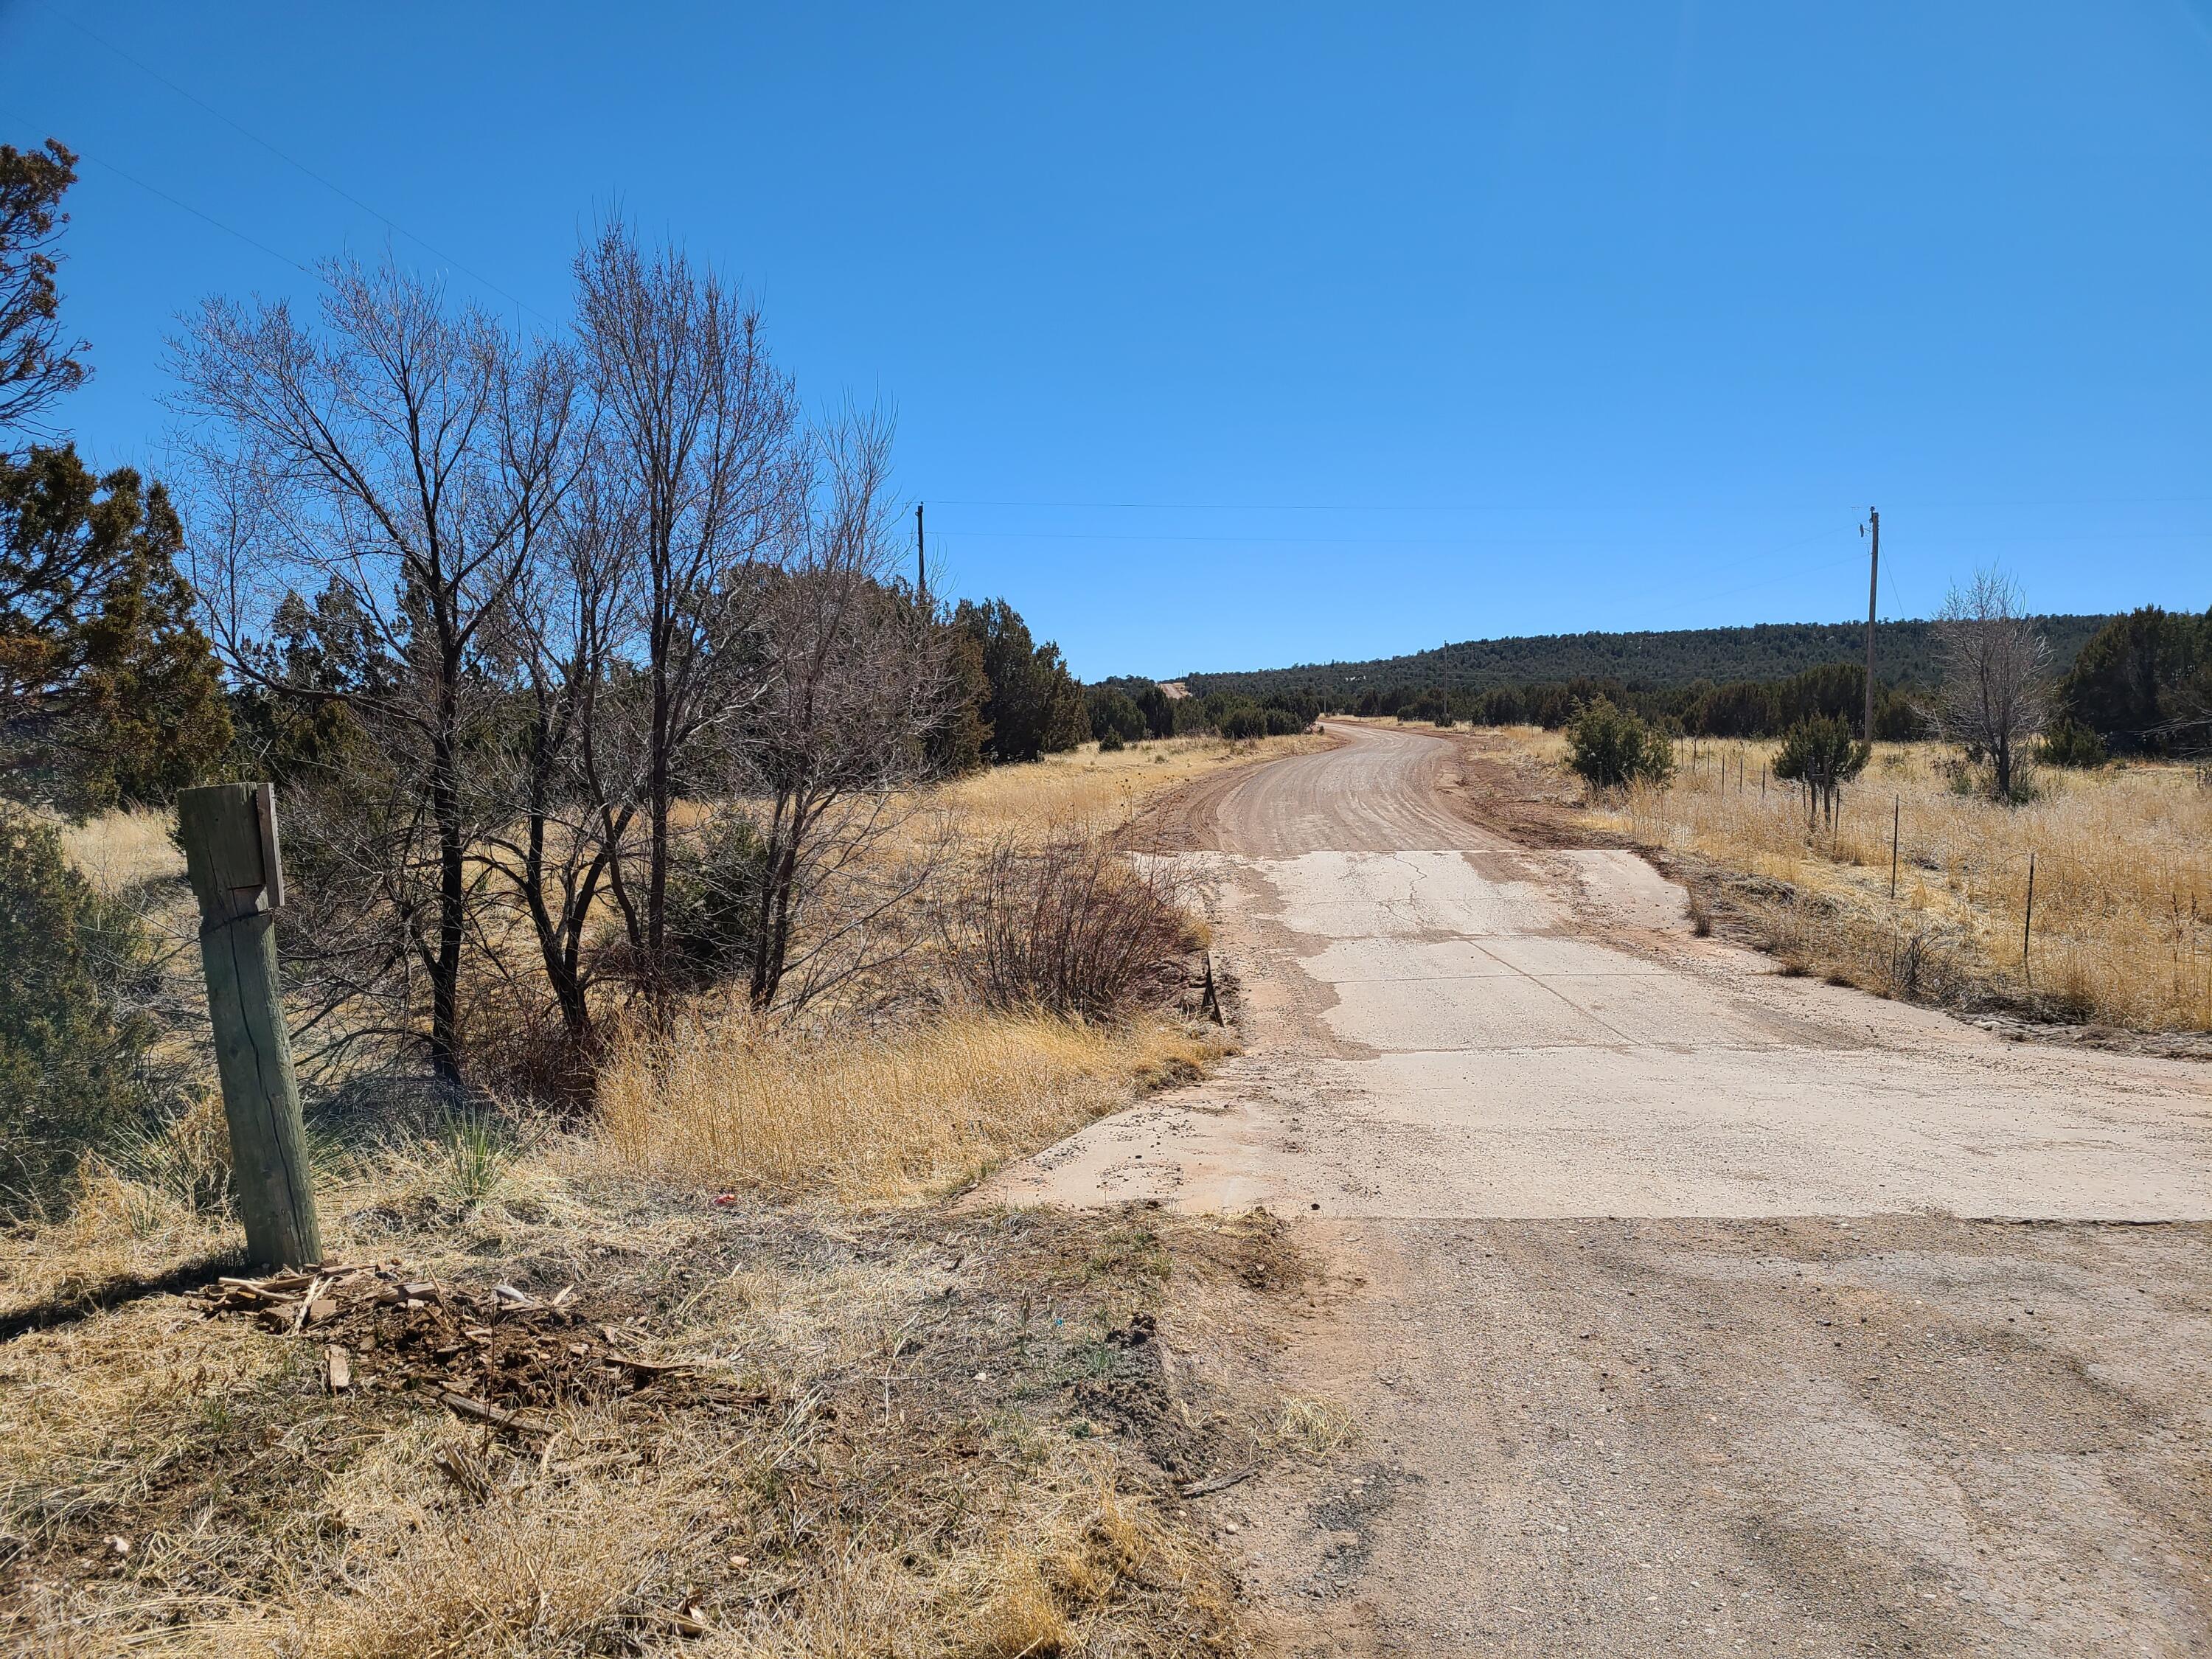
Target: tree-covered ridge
{"x":1905,"y":655}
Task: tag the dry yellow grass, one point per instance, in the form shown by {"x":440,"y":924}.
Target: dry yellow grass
{"x":554,"y":1571}
{"x":864,"y":1116}
{"x":1095,"y":791}
{"x":2123,"y":919}
{"x":119,"y":850}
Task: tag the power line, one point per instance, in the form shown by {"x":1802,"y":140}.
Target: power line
{"x":1753,"y":586}
{"x":209,"y":218}
{"x":1674,"y":583}
{"x":1539,"y":507}
{"x":1444,"y":543}
{"x":389,"y":222}
{"x":1311,"y":506}
{"x":1507,"y":540}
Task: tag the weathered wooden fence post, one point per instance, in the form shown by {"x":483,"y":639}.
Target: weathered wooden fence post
{"x":230,"y":833}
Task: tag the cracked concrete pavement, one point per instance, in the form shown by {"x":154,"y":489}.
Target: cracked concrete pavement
{"x":1684,"y":1307}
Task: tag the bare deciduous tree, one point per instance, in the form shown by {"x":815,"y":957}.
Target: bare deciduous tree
{"x":401,"y":464}
{"x":856,"y":682}
{"x":708,"y":432}
{"x":534,"y":601}
{"x":569,"y":774}
{"x":1994,"y":693}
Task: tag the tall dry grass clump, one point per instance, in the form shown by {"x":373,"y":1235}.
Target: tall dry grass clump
{"x":727,"y":1100}
{"x":118,"y":850}
{"x":2123,"y":902}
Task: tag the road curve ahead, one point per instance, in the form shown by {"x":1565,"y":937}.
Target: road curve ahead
{"x":1693,"y":1309}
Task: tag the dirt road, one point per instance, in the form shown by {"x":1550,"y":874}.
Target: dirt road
{"x":1684,"y":1307}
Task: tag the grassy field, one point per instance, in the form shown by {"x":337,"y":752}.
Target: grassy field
{"x":897,"y":1428}
{"x":2121,"y":925}
{"x":1101,"y":792}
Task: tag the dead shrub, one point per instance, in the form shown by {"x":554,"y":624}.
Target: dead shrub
{"x":517,"y":1046}
{"x":1068,"y":925}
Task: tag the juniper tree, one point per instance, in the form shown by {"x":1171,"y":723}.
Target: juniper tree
{"x":1820,"y":753}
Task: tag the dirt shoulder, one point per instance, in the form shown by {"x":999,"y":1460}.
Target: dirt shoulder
{"x":1517,"y":795}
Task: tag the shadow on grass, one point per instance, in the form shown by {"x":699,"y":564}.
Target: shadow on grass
{"x":83,"y":1303}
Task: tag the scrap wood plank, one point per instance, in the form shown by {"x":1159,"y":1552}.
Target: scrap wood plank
{"x":306,"y":1303}
{"x":268,"y":1282}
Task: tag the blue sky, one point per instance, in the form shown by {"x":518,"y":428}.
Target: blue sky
{"x":1232,"y":336}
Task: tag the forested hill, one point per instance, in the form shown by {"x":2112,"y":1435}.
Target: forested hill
{"x":1905,"y":655}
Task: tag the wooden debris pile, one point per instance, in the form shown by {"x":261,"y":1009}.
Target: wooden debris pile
{"x":495,"y":1357}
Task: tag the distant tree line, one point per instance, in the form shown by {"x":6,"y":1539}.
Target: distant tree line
{"x":1743,"y":708}
{"x":1125,"y":710}
{"x":2140,"y":684}
{"x":1910,"y":655}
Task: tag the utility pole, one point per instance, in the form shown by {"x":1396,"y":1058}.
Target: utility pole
{"x":1872,"y":527}
{"x":921,"y":555}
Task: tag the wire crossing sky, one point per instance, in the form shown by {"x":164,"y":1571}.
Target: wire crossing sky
{"x":1234,"y":336}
